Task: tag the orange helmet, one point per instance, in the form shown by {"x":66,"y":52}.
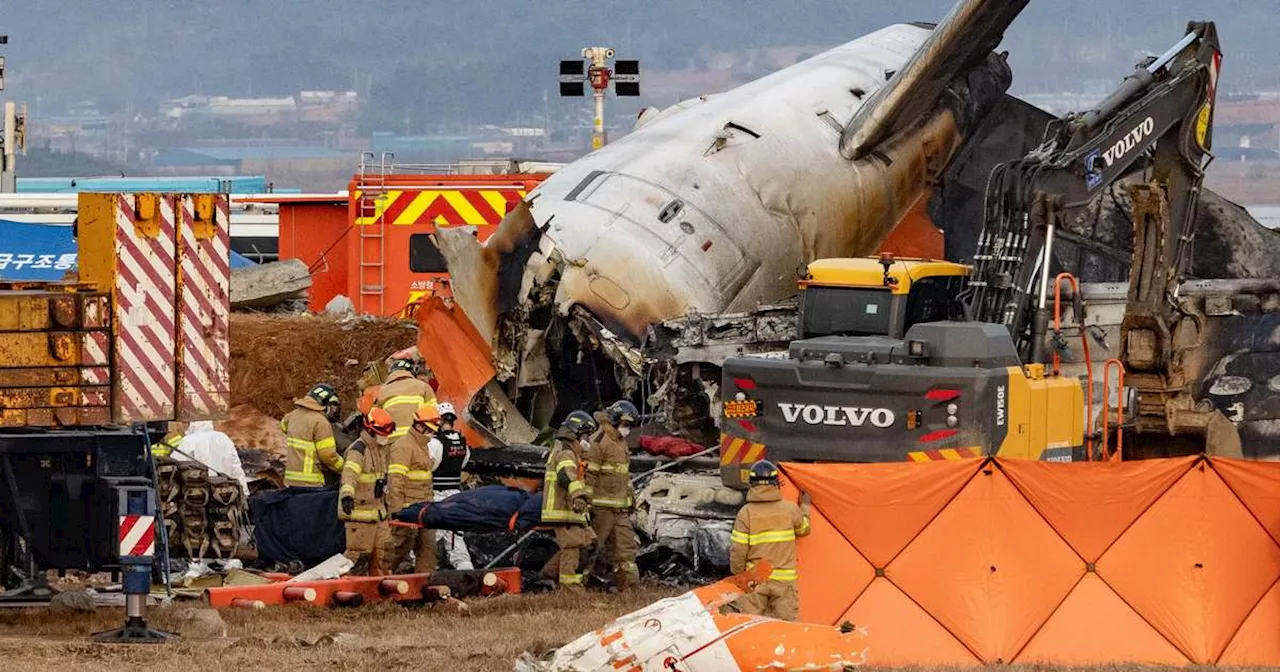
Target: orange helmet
{"x":428,"y":414}
{"x":379,"y":422}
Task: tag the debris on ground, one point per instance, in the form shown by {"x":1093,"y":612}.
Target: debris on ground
{"x":673,"y":508}
{"x":83,"y":601}
{"x":334,"y":567}
{"x":200,"y":623}
{"x":340,"y":306}
{"x":264,"y":286}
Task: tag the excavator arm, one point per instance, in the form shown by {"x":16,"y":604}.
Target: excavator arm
{"x":1156,"y":126}
{"x":1158,"y":120}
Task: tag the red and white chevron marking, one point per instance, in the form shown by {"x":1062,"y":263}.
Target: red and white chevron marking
{"x":95,"y":347}
{"x":137,"y":535}
{"x":98,"y":375}
{"x":144,"y":327}
{"x":205,"y":380}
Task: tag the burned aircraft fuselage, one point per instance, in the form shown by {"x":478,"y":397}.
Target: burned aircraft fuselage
{"x":715,"y":206}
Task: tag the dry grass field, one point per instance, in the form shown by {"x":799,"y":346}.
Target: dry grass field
{"x":380,"y":637}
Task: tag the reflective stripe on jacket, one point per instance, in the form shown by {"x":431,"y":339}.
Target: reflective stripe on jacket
{"x":609,"y":469}
{"x":366,"y":463}
{"x":766,"y":529}
{"x":561,"y":483}
{"x":409,"y":472}
{"x":166,"y":445}
{"x":311,"y":446}
{"x":401,"y":396}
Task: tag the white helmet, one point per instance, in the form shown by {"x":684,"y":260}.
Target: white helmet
{"x":446,"y":411}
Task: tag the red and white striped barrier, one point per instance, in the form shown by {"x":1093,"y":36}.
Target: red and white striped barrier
{"x":145,"y":287}
{"x":204,"y":252}
{"x":137,"y":536}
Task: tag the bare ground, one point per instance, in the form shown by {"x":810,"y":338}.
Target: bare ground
{"x":379,"y":637}
{"x":382,"y":637}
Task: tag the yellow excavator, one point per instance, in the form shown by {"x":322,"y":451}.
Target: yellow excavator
{"x":919,"y":360}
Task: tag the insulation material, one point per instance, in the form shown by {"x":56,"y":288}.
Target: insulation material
{"x":985,"y":561}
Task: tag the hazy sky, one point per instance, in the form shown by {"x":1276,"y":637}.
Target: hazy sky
{"x":121,"y":52}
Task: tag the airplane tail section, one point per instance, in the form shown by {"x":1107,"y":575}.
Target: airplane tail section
{"x":965,"y":37}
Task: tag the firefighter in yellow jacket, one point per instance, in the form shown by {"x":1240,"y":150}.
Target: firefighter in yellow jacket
{"x":401,"y":395}
{"x":165,"y":447}
{"x":566,"y":499}
{"x":361,"y":499}
{"x":312,"y":458}
{"x":766,"y":529}
{"x":409,"y":482}
{"x":609,"y":477}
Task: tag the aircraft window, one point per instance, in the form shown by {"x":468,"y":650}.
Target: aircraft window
{"x":831,"y":121}
{"x":670,"y":211}
{"x":739,"y":127}
{"x":582,"y":186}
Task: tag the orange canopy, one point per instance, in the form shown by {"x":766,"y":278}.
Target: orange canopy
{"x":990,"y":561}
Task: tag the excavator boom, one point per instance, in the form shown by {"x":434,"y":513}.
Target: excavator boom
{"x":1154,"y":130}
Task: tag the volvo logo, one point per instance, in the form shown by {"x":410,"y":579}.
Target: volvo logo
{"x":837,"y":416}
{"x":1000,"y":406}
{"x":1129,"y":141}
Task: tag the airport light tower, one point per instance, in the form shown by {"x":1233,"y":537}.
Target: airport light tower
{"x":13,"y":134}
{"x":625,"y":76}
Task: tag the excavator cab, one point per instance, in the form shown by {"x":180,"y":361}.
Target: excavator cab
{"x":878,"y":296}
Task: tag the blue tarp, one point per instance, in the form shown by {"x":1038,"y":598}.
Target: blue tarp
{"x":45,"y":252}
{"x":297,"y":524}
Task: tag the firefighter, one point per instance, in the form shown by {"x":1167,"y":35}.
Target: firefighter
{"x":312,"y":458}
{"x":169,"y":443}
{"x":452,"y":453}
{"x":361,"y":499}
{"x":609,"y":478}
{"x":401,"y":395}
{"x":766,"y":529}
{"x":566,"y":500}
{"x":409,"y":482}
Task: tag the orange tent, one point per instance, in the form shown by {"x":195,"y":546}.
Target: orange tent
{"x":989,"y":561}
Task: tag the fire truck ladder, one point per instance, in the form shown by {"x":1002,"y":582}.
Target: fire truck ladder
{"x":372,"y":231}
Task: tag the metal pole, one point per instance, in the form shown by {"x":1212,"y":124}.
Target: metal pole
{"x":1040,"y":320}
{"x":673,"y":463}
{"x":1044,"y":270}
{"x":134,"y":605}
{"x":597,"y":137}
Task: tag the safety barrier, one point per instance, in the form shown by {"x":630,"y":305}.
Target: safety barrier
{"x":358,"y":590}
{"x":987,"y":561}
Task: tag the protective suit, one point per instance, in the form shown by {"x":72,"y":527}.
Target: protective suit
{"x":206,"y":445}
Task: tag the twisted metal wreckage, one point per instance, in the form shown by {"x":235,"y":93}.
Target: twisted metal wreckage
{"x":689,"y":633}
{"x":637,"y":269}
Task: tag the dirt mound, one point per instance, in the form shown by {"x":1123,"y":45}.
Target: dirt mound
{"x":275,"y":358}
{"x":250,"y":428}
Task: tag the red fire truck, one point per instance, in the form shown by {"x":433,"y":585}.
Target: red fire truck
{"x":374,"y":244}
